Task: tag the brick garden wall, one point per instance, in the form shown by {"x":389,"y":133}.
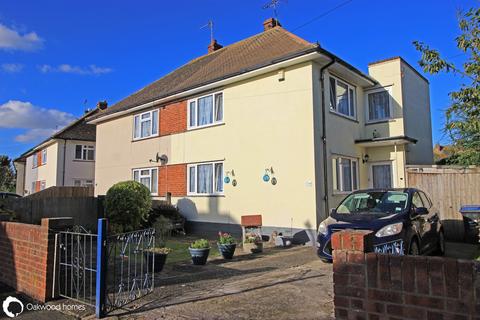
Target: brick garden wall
{"x":377,"y":286}
{"x":26,"y":257}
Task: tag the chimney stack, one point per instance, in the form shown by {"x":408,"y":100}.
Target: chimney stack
{"x":214,"y":46}
{"x":270,"y":24}
{"x":102,"y":105}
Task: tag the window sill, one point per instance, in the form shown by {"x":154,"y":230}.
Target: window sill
{"x":379,"y":121}
{"x":204,"y":127}
{"x":146,"y":138}
{"x":206,"y":195}
{"x":341,"y":115}
{"x":81,"y":160}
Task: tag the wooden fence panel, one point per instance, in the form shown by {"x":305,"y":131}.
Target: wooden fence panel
{"x":450,"y":188}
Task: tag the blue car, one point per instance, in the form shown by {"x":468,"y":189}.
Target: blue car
{"x":404,"y":221}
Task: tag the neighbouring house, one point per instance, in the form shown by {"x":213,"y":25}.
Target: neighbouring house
{"x":67,"y":158}
{"x":271,"y":125}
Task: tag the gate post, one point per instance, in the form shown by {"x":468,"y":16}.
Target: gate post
{"x":101,"y":268}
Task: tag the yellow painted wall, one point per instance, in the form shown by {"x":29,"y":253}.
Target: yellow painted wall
{"x":268,"y":123}
{"x":47,"y":172}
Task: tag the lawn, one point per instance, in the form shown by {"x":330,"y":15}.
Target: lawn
{"x":180,"y":252}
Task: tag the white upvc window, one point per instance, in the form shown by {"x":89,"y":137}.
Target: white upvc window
{"x":205,"y":178}
{"x":145,"y":125}
{"x":342,"y":98}
{"x":345,"y":174}
{"x":44,"y":156}
{"x":379,"y":105}
{"x":205,"y":111}
{"x":84,"y":152}
{"x":43,"y":185}
{"x":148,"y":177}
{"x":34,"y":160}
{"x":82,"y":183}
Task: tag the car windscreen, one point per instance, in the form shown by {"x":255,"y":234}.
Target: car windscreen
{"x":374,"y":202}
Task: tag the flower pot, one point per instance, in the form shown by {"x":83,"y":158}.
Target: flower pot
{"x":227,"y":250}
{"x":199,"y":256}
{"x":254,"y":247}
{"x":159,"y":259}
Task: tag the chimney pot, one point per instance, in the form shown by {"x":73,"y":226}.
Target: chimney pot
{"x":270,"y":24}
{"x":102,"y":105}
{"x":214,"y":46}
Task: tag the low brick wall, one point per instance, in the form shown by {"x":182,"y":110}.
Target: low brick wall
{"x":26,"y":256}
{"x":377,"y":286}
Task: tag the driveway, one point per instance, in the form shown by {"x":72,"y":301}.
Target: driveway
{"x":279,"y":284}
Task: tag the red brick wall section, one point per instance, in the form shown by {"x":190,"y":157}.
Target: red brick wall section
{"x":173,"y":118}
{"x":377,"y":286}
{"x":172,"y":178}
{"x":26,"y":258}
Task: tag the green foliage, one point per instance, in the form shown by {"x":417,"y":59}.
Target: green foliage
{"x":463,"y":115}
{"x":128,"y":205}
{"x":225,"y":238}
{"x":7,"y":174}
{"x":200,"y":244}
{"x":253,"y":238}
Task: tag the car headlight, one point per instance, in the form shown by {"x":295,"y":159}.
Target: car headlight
{"x":390,"y":230}
{"x":322,"y":228}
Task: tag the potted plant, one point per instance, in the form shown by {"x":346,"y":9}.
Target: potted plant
{"x":159,"y":252}
{"x":199,"y":251}
{"x":253,"y":243}
{"x":226,"y":245}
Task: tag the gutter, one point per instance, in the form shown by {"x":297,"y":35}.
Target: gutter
{"x":64,"y":161}
{"x":324,"y":134}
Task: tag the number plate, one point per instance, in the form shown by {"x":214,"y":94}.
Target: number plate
{"x":393,"y":247}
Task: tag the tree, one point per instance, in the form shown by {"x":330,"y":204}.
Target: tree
{"x":463,"y":115}
{"x":7,"y":174}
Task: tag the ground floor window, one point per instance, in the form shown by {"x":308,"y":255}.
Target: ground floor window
{"x":205,"y":178}
{"x":148,"y":177}
{"x":82,"y":183}
{"x":382,"y":175}
{"x":345,"y":174}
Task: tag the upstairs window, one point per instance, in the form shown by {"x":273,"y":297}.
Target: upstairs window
{"x":345,"y":174}
{"x":379,"y":106}
{"x":35,"y":160}
{"x":148,"y":177}
{"x":44,"y":156}
{"x":84,"y":152}
{"x":145,"y":125}
{"x":205,"y":178}
{"x":205,"y":111}
{"x":342,"y":98}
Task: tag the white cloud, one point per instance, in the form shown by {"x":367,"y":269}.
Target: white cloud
{"x":67,"y":68}
{"x":39,"y":122}
{"x":12,"y":67}
{"x":11,"y":39}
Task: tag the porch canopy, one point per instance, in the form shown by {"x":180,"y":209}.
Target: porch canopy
{"x":388,"y":141}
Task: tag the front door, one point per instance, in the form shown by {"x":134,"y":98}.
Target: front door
{"x":382,"y":175}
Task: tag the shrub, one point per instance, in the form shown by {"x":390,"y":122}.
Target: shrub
{"x":200,"y":244}
{"x":252,"y":238}
{"x":128,"y":204}
{"x":225,"y":238}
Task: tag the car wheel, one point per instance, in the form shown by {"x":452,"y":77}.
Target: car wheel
{"x":441,"y":244}
{"x":414,"y":249}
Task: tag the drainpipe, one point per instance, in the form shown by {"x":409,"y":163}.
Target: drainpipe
{"x":64,"y":161}
{"x":324,"y":134}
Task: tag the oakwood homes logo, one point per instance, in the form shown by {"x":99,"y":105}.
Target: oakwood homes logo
{"x":13,"y":307}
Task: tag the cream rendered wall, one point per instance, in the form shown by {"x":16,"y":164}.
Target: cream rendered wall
{"x":47,"y":172}
{"x":268,"y":123}
{"x":418,"y":122}
{"x":75,"y":169}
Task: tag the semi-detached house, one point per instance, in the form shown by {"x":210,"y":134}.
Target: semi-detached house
{"x":271,"y":125}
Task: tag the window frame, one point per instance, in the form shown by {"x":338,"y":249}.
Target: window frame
{"x":349,"y":87}
{"x":214,"y":122}
{"x":43,"y":158}
{"x":35,"y":160}
{"x":139,"y":116}
{"x":367,"y":106}
{"x":337,"y":186}
{"x":213,"y":164}
{"x":85,"y":149}
{"x":150,"y":169}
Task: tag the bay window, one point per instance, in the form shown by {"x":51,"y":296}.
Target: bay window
{"x":145,"y":125}
{"x":205,"y":178}
{"x":379,"y":106}
{"x":345,"y":174}
{"x":205,"y":111}
{"x":148,"y":177}
{"x":342,"y":98}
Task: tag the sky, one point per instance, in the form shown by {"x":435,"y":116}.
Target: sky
{"x":58,"y":58}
